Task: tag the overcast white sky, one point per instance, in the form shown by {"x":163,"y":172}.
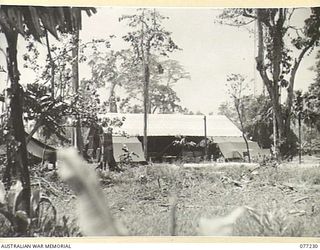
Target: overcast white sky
{"x":210,"y":52}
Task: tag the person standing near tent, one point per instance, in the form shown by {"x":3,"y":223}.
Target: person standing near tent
{"x":206,"y":148}
{"x":180,"y":141}
{"x":100,"y":147}
{"x":93,"y":145}
{"x":107,"y":152}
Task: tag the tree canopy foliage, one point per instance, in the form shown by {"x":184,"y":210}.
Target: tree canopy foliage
{"x":278,"y":43}
{"x":311,"y":107}
{"x":257,"y":118}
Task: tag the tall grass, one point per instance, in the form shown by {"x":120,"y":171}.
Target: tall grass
{"x":282,"y":201}
{"x":212,"y":192}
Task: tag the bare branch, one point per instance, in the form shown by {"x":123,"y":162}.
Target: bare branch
{"x":291,"y":13}
{"x":246,"y":14}
{"x":294,"y":71}
{"x":240,"y":24}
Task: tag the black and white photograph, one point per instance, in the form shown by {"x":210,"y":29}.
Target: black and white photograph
{"x":159,"y":121}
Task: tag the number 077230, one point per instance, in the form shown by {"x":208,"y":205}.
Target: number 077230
{"x":309,"y":246}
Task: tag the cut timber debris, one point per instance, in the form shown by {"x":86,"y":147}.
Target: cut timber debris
{"x":228,"y":180}
{"x":299,"y":213}
{"x":301,"y":199}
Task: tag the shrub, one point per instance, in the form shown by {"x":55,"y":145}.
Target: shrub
{"x":311,"y":175}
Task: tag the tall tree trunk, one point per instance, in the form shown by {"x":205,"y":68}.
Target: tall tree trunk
{"x":17,"y":150}
{"x":271,"y":85}
{"x":146,"y":109}
{"x":274,"y":129}
{"x":279,"y":123}
{"x":276,"y":59}
{"x":77,"y":135}
{"x":112,"y":99}
{"x":300,"y":141}
{"x":242,"y":130}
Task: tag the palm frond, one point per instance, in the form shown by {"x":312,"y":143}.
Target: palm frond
{"x":34,"y":20}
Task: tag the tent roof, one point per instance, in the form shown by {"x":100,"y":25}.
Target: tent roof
{"x":221,"y":139}
{"x":175,"y":124}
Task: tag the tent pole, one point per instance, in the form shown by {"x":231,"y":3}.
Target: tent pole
{"x":205,"y":138}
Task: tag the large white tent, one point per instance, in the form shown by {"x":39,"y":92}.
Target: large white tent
{"x":175,"y":124}
{"x":218,"y":128}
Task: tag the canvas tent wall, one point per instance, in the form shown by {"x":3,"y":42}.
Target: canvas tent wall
{"x":235,"y":147}
{"x":164,"y":128}
{"x":132,"y":144}
{"x":41,"y":150}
